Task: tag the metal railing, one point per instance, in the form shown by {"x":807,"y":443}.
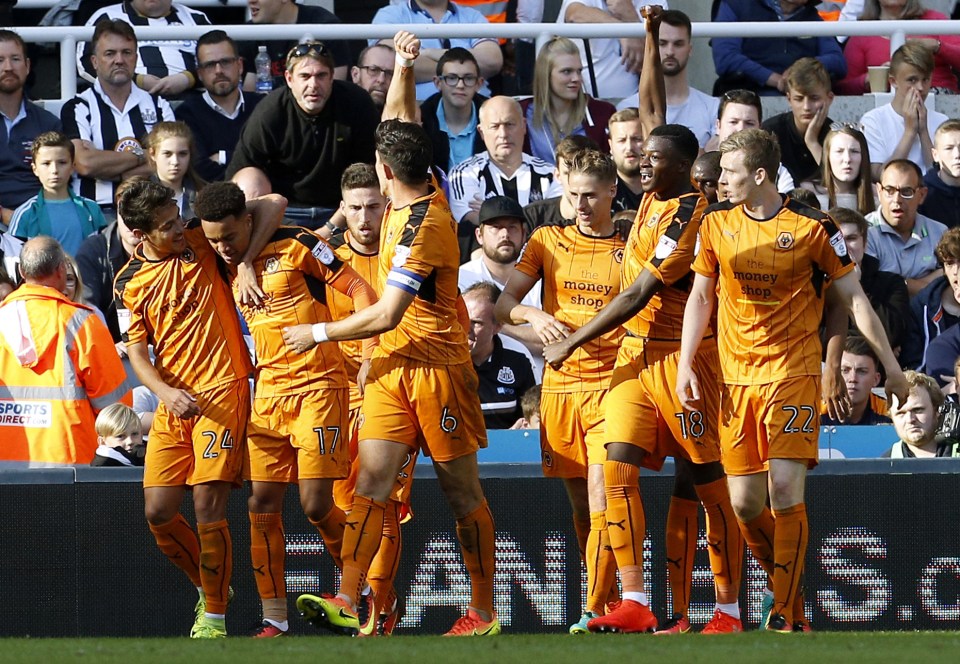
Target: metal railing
{"x":896,"y":30}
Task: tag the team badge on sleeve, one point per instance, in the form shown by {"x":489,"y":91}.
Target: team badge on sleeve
{"x":838,"y":244}
{"x":665,"y":247}
{"x":322,"y":252}
{"x":400,"y":255}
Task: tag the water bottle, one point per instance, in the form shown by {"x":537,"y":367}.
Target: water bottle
{"x":264,"y":75}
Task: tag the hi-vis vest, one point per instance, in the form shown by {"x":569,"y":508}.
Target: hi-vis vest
{"x":58,"y":369}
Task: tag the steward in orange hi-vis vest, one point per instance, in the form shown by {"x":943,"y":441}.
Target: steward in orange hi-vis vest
{"x":58,"y":369}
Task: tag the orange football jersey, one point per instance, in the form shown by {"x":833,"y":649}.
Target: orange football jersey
{"x":341,"y":306}
{"x":580,"y":275}
{"x":771,"y":276}
{"x":183,"y":306}
{"x":662,"y":241}
{"x":293,"y":270}
{"x":419,"y":254}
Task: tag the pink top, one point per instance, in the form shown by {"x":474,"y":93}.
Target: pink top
{"x":863,"y":52}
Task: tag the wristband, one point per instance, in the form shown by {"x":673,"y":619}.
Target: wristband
{"x":403,"y":62}
{"x":320,"y":333}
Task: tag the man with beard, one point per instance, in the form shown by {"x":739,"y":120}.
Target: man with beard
{"x":374,"y":71}
{"x":685,"y":105}
{"x":501,"y":235}
{"x":217,"y":116}
{"x":626,"y":145}
{"x":108,"y":143}
{"x":23,"y":122}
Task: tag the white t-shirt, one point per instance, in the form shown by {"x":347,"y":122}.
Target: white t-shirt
{"x":698,"y":112}
{"x":613,"y":80}
{"x":883,"y":128}
{"x":475,"y":271}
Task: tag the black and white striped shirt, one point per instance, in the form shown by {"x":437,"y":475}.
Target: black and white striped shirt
{"x":157,"y":58}
{"x":91,"y":116}
{"x":480,"y":177}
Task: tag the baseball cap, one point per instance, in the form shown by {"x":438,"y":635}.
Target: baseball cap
{"x":498,"y":207}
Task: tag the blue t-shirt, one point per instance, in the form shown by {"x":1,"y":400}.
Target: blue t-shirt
{"x":66,"y":225}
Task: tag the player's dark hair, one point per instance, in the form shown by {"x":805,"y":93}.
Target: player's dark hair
{"x":220,"y":200}
{"x":682,"y":138}
{"x":52,"y":139}
{"x":113,"y":26}
{"x":138,"y":204}
{"x":216,"y":37}
{"x":456,"y":54}
{"x":359,"y":176}
{"x":710,"y":162}
{"x":486,"y":290}
{"x":406,"y":149}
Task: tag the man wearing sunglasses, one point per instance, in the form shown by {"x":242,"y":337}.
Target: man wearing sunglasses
{"x":902,"y":239}
{"x":217,"y":116}
{"x":301,"y":138}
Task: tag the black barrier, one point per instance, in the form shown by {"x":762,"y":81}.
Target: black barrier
{"x":78,"y":559}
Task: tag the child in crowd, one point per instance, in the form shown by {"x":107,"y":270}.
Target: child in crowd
{"x":56,"y":210}
{"x":118,"y":433}
{"x":903,"y":128}
{"x":530,"y":405}
{"x":801,"y":132}
{"x":942,"y":201}
{"x":170,"y":149}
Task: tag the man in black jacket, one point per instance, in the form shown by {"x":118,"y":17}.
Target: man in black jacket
{"x":450,"y":117}
{"x":300,"y":138}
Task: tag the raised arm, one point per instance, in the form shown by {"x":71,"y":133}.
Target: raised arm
{"x":401,"y":102}
{"x":653,"y":96}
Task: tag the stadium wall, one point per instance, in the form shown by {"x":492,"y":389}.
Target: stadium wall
{"x":79,"y":560}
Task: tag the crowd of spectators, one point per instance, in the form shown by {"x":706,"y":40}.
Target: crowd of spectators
{"x":504,"y":121}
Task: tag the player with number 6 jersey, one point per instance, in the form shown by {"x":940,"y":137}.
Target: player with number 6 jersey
{"x":421,"y":392}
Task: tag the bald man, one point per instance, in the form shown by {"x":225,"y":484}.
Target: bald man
{"x":503,"y":169}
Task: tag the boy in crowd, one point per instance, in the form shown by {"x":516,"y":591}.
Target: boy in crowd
{"x":942,"y":201}
{"x":801,"y":132}
{"x":56,"y":210}
{"x":902,"y":128}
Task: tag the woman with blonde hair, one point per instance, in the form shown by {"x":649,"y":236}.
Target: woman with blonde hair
{"x":845,"y":171}
{"x":559,"y":107}
{"x":171,"y":149}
